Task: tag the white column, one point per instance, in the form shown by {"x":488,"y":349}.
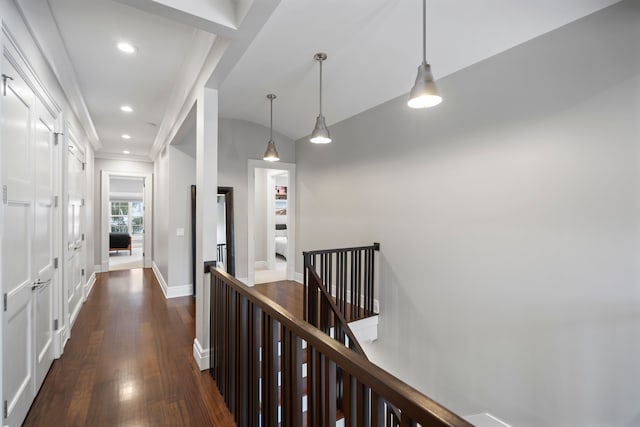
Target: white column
{"x":206,"y":213}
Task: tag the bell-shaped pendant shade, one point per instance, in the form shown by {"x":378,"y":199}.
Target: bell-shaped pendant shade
{"x":271,"y":155}
{"x":424,"y":93}
{"x":320,"y":134}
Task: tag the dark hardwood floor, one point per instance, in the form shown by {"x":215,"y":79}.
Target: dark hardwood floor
{"x":289,"y":294}
{"x":129,"y":362}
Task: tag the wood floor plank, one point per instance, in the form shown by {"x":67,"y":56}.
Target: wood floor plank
{"x":130,"y":362}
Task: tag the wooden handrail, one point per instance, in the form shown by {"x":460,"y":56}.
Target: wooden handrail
{"x":232,"y":302}
{"x":336,"y":312}
{"x":375,"y":247}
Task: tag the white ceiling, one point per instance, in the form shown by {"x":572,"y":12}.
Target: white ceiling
{"x":108,"y":78}
{"x":373,"y":47}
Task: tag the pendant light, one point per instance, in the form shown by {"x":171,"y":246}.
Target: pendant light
{"x":424,"y":93}
{"x":320,"y":134}
{"x":271,"y":155}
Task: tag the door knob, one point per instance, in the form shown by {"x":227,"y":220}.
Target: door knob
{"x":40,"y":284}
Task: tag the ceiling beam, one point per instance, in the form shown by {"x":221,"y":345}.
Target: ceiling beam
{"x":223,"y":55}
{"x":217,"y":17}
{"x":256,"y":15}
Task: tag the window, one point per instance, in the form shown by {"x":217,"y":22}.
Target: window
{"x":127,"y":217}
{"x":136,"y":218}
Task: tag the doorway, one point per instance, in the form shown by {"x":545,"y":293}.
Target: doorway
{"x":271,"y":228}
{"x":126,"y":222}
{"x":126,"y":204}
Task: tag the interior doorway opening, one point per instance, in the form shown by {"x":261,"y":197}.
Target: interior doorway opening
{"x":271,"y":225}
{"x":126,"y":222}
{"x":126,"y":202}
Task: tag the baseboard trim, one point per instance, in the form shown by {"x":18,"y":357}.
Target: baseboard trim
{"x":365,"y":329}
{"x":179,"y":291}
{"x":74,"y":315}
{"x":485,"y":420}
{"x":97,"y":268}
{"x":59,"y":342}
{"x":200,"y":355}
{"x":89,"y":285}
{"x":299,"y":277}
{"x":170,"y":291}
{"x":159,"y":278}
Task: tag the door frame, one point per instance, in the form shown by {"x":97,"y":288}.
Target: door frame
{"x":291,"y":216}
{"x":147,"y":200}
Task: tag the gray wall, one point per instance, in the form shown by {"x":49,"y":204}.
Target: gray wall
{"x":161,"y":213}
{"x":508,"y":218}
{"x":238,"y":141}
{"x":260,"y":215}
{"x":175,"y":172}
{"x":182,"y":176}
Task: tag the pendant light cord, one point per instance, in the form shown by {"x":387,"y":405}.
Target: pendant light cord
{"x":320,"y":87}
{"x":271,"y":122}
{"x":424,"y":31}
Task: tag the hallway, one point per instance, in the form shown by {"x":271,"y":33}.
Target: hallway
{"x":129,"y":362}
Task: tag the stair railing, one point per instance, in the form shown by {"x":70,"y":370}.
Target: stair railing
{"x":323,"y":313}
{"x":348,"y":276}
{"x":253,"y":340}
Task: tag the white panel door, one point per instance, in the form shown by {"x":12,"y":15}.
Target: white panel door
{"x":17,"y":252}
{"x":44,"y":241}
{"x":74,"y":230}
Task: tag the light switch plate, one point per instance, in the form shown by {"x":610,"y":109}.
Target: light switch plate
{"x":179,"y":231}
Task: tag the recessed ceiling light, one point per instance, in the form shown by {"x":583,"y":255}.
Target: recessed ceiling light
{"x":126,"y":109}
{"x":126,"y":152}
{"x":126,"y":47}
{"x":126,"y":136}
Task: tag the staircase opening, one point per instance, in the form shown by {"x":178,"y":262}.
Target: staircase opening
{"x":273,"y":368}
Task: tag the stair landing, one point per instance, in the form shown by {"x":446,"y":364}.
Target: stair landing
{"x":289,"y":294}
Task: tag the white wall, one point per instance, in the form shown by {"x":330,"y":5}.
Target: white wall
{"x":126,"y":185}
{"x":239,"y":141}
{"x":182,"y":170}
{"x":161,"y":213}
{"x":282,"y":180}
{"x":509,"y":227}
{"x":120,"y":166}
{"x":175,"y":171}
{"x":260,"y":215}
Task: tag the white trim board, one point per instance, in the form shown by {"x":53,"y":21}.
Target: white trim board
{"x":89,"y":285}
{"x":171,"y":291}
{"x":485,"y":420}
{"x":201,"y":355}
